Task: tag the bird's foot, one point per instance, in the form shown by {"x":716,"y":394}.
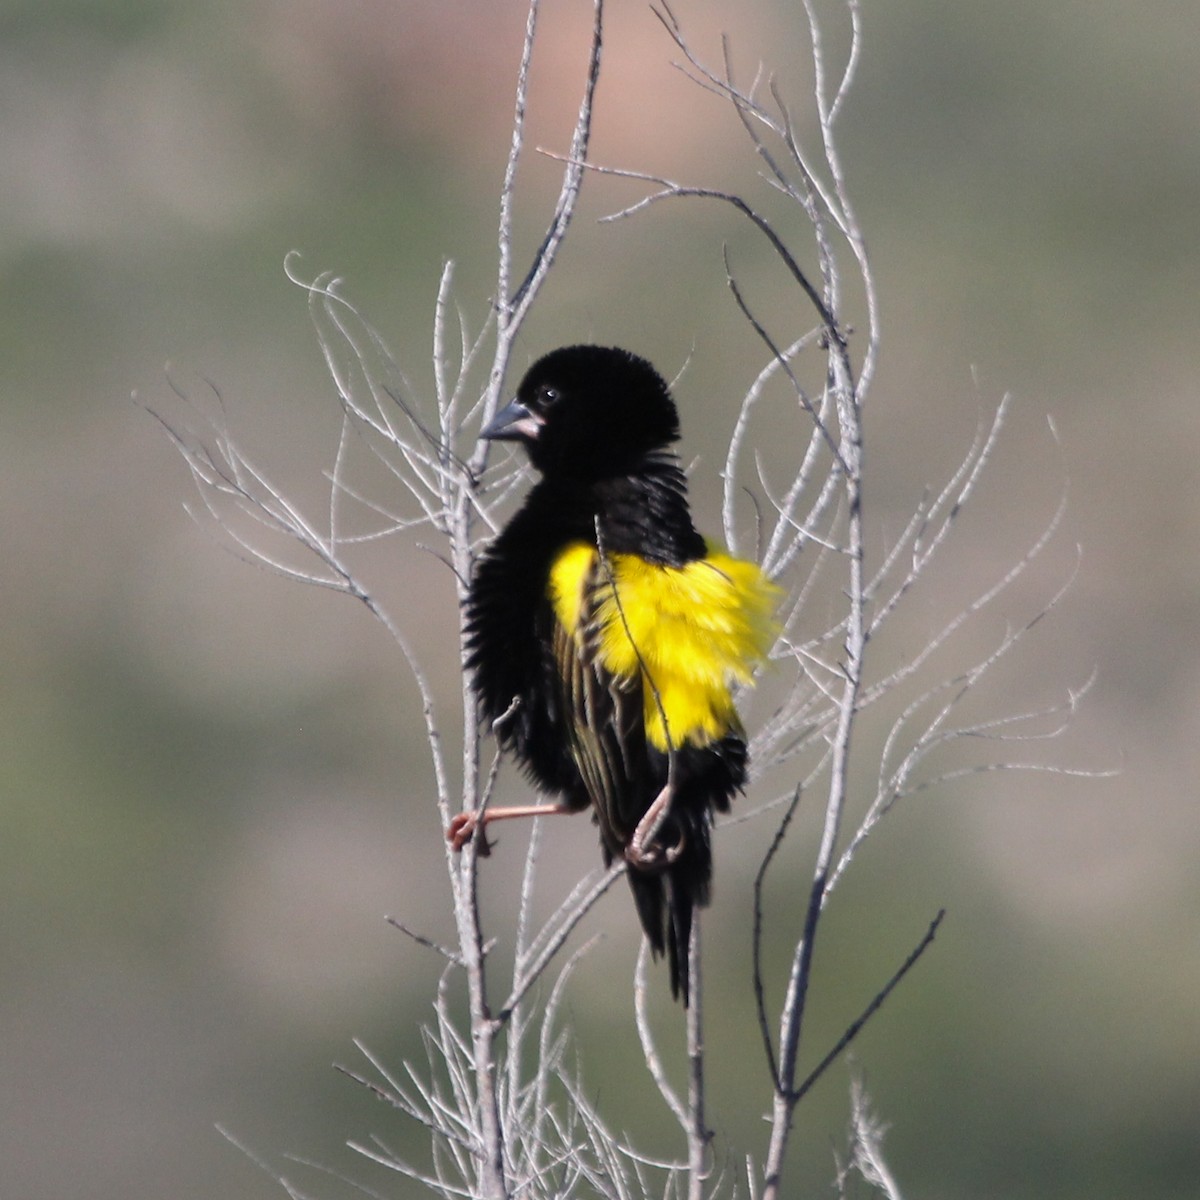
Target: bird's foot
{"x":653,"y":858}
{"x":462,"y":829}
{"x":643,"y":851}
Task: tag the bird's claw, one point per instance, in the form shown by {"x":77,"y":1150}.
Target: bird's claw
{"x":654,"y":858}
{"x":462,"y":829}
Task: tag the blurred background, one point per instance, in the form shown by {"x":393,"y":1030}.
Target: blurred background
{"x":213,"y":783}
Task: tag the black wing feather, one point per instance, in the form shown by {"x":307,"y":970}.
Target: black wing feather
{"x":603,"y":715}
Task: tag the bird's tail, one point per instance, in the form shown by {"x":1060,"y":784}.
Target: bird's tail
{"x":666,"y":899}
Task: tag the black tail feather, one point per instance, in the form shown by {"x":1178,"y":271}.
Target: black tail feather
{"x":680,"y":903}
{"x":666,"y":899}
{"x":650,"y":898}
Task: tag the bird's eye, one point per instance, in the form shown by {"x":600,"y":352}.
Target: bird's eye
{"x":548,"y":395}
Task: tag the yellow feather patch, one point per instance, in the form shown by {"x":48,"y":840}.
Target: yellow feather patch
{"x":695,"y":630}
{"x":568,"y":576}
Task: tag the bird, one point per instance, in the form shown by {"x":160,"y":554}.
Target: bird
{"x":605,"y":635}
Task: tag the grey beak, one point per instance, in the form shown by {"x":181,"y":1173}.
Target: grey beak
{"x":513,"y":423}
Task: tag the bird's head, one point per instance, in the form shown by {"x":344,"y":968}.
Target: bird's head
{"x":588,"y":412}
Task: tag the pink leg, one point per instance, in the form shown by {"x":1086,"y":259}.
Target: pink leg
{"x":462,"y":827}
{"x":639,"y":853}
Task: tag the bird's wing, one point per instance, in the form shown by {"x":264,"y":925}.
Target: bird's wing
{"x":604,"y":716}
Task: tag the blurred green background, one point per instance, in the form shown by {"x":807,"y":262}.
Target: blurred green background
{"x":212,"y":781}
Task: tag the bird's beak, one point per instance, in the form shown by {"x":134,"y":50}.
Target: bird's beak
{"x":513,"y":423}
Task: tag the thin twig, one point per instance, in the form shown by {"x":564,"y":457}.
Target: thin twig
{"x":855,"y":1027}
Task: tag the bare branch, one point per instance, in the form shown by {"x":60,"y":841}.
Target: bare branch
{"x":654,"y":1060}
{"x":857,"y":1024}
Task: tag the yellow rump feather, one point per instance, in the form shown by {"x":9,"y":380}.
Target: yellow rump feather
{"x":694,"y":630}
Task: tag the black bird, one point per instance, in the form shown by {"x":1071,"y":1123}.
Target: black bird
{"x":605,"y":634}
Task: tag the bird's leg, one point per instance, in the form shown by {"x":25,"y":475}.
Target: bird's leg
{"x":462,"y":827}
{"x":639,"y":852}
